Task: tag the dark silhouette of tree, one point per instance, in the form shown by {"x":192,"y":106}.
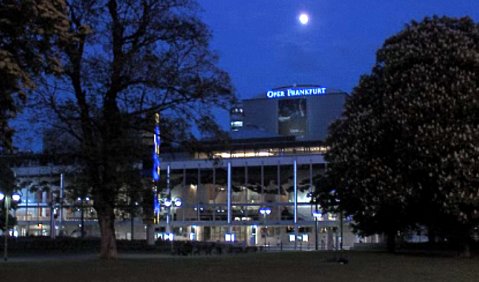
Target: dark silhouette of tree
{"x":28,"y":30}
{"x":405,"y":150}
{"x":129,"y":60}
{"x":7,"y":185}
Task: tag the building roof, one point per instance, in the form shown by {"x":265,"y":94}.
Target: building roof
{"x":251,"y":132}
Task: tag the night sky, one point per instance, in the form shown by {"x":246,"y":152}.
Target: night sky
{"x":262,"y":44}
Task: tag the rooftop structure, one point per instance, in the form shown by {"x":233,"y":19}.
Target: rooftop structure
{"x":302,"y":111}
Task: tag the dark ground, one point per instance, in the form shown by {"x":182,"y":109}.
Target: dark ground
{"x":276,"y":267}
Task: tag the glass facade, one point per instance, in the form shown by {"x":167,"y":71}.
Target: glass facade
{"x":258,"y":184}
{"x":266,"y":206}
{"x":258,"y":191}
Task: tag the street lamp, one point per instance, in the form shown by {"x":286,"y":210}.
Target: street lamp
{"x":175,"y":203}
{"x":81,"y":201}
{"x":317,"y":216}
{"x":265,"y":211}
{"x":55,"y":204}
{"x":7,"y":200}
{"x":133,"y":207}
{"x":170,"y":203}
{"x":199,"y":209}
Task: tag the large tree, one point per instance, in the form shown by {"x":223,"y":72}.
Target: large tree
{"x":28,"y":30}
{"x":129,"y":60}
{"x":405,"y":151}
{"x":7,"y":185}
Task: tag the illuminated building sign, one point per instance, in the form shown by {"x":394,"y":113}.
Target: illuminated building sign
{"x":296,"y":92}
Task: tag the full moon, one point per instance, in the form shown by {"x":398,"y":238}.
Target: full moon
{"x":303,"y":19}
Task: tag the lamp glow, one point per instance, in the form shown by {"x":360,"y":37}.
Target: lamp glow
{"x":16,"y":197}
{"x":178,"y":202}
{"x":168,"y":203}
{"x":265,"y":210}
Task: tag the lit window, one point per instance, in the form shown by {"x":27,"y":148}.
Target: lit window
{"x":237,"y":123}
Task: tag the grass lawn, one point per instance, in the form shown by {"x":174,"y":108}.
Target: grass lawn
{"x":287,"y":266}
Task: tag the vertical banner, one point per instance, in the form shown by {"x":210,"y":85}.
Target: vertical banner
{"x":156,"y":164}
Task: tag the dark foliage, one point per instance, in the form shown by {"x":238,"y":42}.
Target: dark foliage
{"x":405,"y":152}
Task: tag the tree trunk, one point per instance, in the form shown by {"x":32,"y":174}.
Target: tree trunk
{"x":106,"y":220}
{"x":150,"y":234}
{"x":465,"y":242}
{"x":431,"y":236}
{"x":391,"y":241}
{"x":466,"y":249}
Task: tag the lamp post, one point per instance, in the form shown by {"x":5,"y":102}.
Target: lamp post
{"x":339,"y":241}
{"x":169,"y":204}
{"x":199,"y":209}
{"x":265,"y":211}
{"x":133,"y":206}
{"x":7,"y":200}
{"x":317,"y":217}
{"x":55,"y":204}
{"x":81,"y":201}
{"x":341,"y":231}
